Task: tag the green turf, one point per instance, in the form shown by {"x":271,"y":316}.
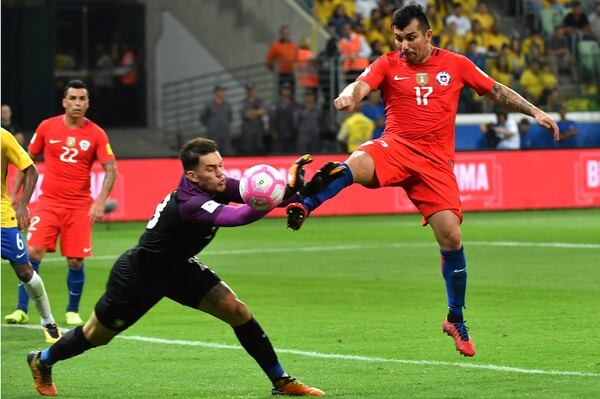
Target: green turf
{"x":365,"y":287}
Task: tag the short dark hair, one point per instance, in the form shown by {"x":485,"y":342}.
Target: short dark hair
{"x":75,"y":84}
{"x":403,"y":17}
{"x":192,"y":151}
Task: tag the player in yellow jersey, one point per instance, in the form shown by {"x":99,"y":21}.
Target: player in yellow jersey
{"x":13,"y":245}
{"x":355,"y":130}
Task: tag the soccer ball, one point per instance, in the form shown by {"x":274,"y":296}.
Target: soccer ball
{"x":262,"y":187}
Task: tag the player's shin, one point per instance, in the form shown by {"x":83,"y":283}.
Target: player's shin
{"x":257,"y":344}
{"x":71,"y":344}
{"x":75,"y":282}
{"x":36,"y":290}
{"x":454,"y":270}
{"x":23,"y":296}
{"x":336,"y":185}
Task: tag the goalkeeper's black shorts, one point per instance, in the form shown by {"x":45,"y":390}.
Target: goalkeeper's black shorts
{"x":129,"y":295}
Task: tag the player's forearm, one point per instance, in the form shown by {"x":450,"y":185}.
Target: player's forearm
{"x":511,"y":100}
{"x":110,"y":169}
{"x":357,"y":90}
{"x":237,"y":216}
{"x":29,"y":178}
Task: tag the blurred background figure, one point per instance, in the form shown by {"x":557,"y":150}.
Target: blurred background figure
{"x":525,"y":137}
{"x":281,"y":57}
{"x":8,"y":124}
{"x":253,"y":126}
{"x":355,"y":130}
{"x":307,"y":121}
{"x":281,"y":122}
{"x":216,"y":116}
{"x":567,"y":130}
{"x":375,"y":111}
{"x":102,"y":84}
{"x":502,"y":135}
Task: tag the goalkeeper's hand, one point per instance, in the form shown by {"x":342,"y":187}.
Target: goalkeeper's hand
{"x":328,"y":173}
{"x":295,"y":177}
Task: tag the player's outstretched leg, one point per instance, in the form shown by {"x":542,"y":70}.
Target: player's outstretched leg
{"x":256,"y":342}
{"x":42,"y":375}
{"x":332,"y":178}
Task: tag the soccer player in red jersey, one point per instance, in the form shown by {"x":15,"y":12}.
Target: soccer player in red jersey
{"x":421,"y":85}
{"x":70,"y":143}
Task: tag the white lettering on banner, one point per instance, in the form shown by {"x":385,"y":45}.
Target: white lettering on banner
{"x":472,"y":176}
{"x":593,"y":173}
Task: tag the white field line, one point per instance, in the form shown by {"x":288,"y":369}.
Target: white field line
{"x":491,"y":367}
{"x":346,"y":247}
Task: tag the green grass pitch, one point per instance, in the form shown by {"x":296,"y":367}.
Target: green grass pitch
{"x":355,"y":305}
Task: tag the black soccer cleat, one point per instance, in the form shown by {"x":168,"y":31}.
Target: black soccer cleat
{"x":296,"y":214}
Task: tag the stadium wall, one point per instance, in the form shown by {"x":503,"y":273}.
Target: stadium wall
{"x":511,"y":180}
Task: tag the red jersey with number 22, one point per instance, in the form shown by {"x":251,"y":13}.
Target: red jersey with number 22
{"x":421,"y":100}
{"x":69,"y":155}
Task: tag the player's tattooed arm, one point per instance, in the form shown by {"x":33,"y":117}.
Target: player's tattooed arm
{"x":97,"y":210}
{"x":511,"y":100}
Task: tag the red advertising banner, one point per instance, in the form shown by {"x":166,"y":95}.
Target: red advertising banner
{"x":487,"y":181}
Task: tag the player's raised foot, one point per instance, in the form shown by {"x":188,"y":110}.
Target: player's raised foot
{"x":42,"y":375}
{"x":289,"y":386}
{"x":52,"y":333}
{"x":296,"y":214}
{"x":17,"y":317}
{"x":73,"y":319}
{"x":459,"y":332}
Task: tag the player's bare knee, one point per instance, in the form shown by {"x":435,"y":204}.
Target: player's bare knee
{"x":238,"y":313}
{"x":75,"y":263}
{"x":36,"y":253}
{"x":362,"y":167}
{"x":451,"y":240}
{"x":96,"y":334}
{"x":24,"y":272}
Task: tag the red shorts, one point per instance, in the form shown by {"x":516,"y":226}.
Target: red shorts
{"x":73,"y":225}
{"x":430,"y":185}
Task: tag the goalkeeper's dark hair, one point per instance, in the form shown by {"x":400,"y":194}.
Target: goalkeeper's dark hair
{"x":75,"y":84}
{"x":404,"y":16}
{"x":192,"y":151}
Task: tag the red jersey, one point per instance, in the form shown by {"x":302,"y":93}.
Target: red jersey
{"x":421,"y":100}
{"x":69,"y":155}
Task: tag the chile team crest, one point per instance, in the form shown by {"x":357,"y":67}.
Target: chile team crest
{"x":443,"y":78}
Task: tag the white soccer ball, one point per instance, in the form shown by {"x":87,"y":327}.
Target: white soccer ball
{"x":262,"y":187}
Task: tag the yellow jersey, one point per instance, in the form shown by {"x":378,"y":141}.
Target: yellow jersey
{"x":12,"y":153}
{"x":356,"y":130}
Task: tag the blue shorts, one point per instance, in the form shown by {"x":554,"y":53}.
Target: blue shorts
{"x":13,"y":246}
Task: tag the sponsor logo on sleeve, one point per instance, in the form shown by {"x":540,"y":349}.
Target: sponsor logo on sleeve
{"x":210,"y":206}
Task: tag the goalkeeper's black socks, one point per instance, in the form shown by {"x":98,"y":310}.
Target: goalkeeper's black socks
{"x":71,"y":344}
{"x":257,"y":344}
